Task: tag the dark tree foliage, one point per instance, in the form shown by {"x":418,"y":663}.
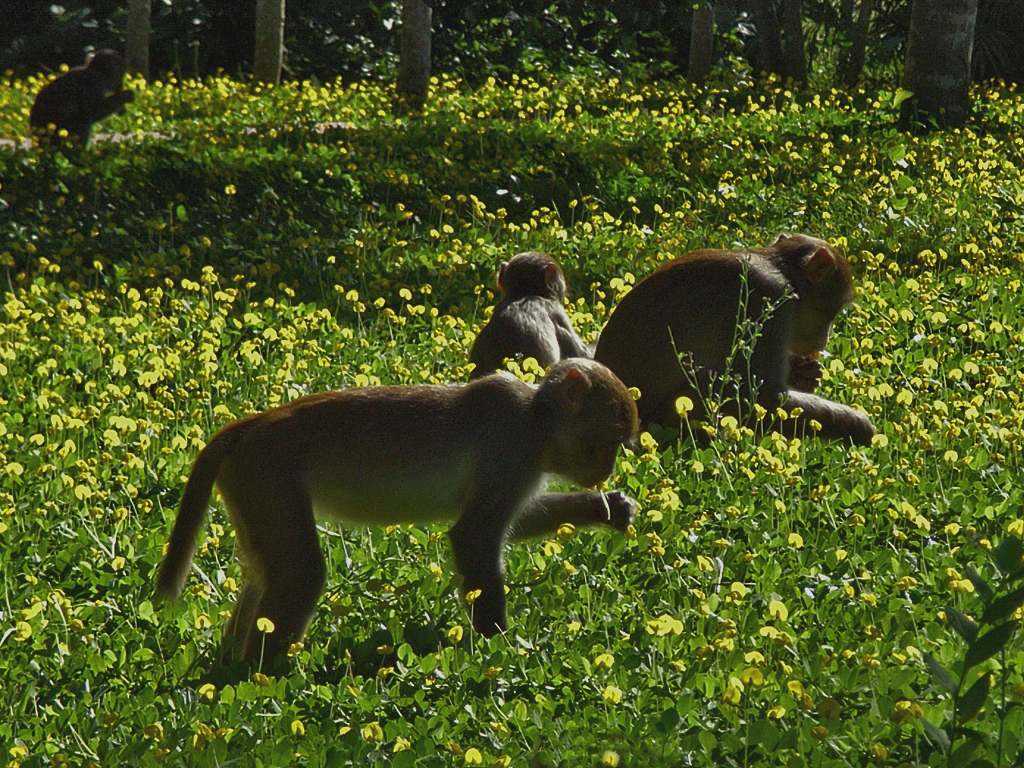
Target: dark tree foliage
{"x":357,"y":38}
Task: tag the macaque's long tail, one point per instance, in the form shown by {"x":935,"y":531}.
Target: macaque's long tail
{"x":182,"y":545}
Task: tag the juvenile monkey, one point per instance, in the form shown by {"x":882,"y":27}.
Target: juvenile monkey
{"x":79,"y":98}
{"x":674,"y":333}
{"x":530,"y":320}
{"x":474,"y":454}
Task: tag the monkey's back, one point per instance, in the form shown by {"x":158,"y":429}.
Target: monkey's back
{"x":518,"y":329}
{"x":370,"y":455}
{"x":689,"y":308}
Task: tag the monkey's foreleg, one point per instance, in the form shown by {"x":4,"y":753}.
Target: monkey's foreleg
{"x":544,"y":514}
{"x":477,"y":542}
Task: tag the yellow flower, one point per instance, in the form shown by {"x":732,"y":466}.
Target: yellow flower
{"x":752,"y":676}
{"x":455,"y":633}
{"x":796,"y":541}
{"x":738,"y":590}
{"x":684,"y":405}
{"x":401,"y":744}
{"x":609,"y":759}
{"x":265,"y":625}
{"x":298,"y":729}
{"x":473,"y":756}
{"x":604,"y":661}
{"x":665,"y":625}
{"x":207,"y":691}
{"x":903,"y":711}
{"x":777,"y":610}
{"x":612,"y":694}
{"x":733,"y":693}
{"x":372,"y":732}
{"x":22,"y":631}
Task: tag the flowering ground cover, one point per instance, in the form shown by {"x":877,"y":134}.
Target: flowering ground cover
{"x":781,"y":602}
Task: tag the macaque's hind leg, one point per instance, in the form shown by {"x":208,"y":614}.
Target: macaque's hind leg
{"x":288,"y":556}
{"x":242,"y":617}
{"x":837,"y":421}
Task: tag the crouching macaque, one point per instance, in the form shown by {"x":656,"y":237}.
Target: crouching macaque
{"x":530,"y":320}
{"x":728,"y":324}
{"x":80,"y":97}
{"x":474,"y":454}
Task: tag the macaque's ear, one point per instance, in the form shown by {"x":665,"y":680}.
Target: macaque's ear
{"x":552,"y":277}
{"x":501,"y":274}
{"x":819,"y":265}
{"x":575,"y":385}
{"x":781,"y":236}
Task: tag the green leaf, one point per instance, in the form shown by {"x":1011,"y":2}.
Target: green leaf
{"x":989,"y":644}
{"x":1003,"y":606}
{"x":972,"y":701}
{"x":899,"y":203}
{"x":980,"y":585}
{"x":181,"y":213}
{"x":1008,"y":554}
{"x":901,"y":95}
{"x":963,"y":753}
{"x":897,"y":152}
{"x":964,"y":627}
{"x":707,"y":740}
{"x":940,"y":674}
{"x":146,"y":612}
{"x":935,"y":734}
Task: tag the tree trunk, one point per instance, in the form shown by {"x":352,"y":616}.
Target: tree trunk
{"x":794,"y":64}
{"x":137,"y":37}
{"x":269,"y":52}
{"x":769,"y":35}
{"x":414,"y":56}
{"x":853,"y":64}
{"x":938,"y":64}
{"x":702,"y":43}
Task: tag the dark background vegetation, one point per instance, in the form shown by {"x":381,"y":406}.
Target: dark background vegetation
{"x":356,"y":38}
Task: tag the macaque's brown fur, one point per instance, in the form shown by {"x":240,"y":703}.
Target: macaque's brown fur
{"x":474,"y":454}
{"x":674,"y":334}
{"x":78,"y":98}
{"x":530,"y":320}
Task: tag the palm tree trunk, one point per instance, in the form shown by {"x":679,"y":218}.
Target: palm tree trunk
{"x":269,"y":53}
{"x":702,"y":43}
{"x":414,"y":55}
{"x":857,"y":30}
{"x":794,"y":64}
{"x":137,"y":37}
{"x":938,"y":64}
{"x":769,"y":35}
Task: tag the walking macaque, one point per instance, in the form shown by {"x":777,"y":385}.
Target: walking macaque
{"x":474,"y":453}
{"x":726,"y":323}
{"x":79,"y":98}
{"x":530,"y":321}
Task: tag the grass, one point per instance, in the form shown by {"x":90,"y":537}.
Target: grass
{"x":776,"y":600}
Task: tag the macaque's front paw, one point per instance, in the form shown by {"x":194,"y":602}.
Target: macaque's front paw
{"x":804,"y":373}
{"x":621,"y":510}
{"x":488,"y":609}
